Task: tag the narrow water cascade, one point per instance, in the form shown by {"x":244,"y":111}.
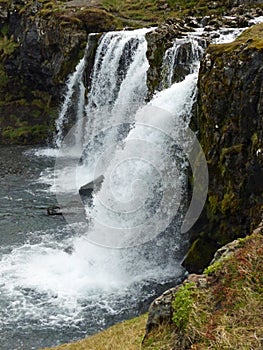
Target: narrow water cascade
{"x":181,"y":58}
{"x":75,"y":87}
{"x":82,"y":275}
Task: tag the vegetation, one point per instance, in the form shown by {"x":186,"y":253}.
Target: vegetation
{"x":124,"y":336}
{"x":7,"y":47}
{"x":251,"y":38}
{"x":155,"y":11}
{"x":182,"y":305}
{"x":227,"y":312}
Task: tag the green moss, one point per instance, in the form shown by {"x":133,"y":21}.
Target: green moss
{"x":229,"y":202}
{"x":24,"y":133}
{"x":7,"y":47}
{"x":213,"y":202}
{"x":230,"y":151}
{"x":4,"y":30}
{"x":216,"y":266}
{"x":182,"y":305}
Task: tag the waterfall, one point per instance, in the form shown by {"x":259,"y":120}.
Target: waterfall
{"x":70,"y":281}
{"x":75,"y":86}
{"x":181,"y":58}
{"x":125,"y":211}
{"x":74,"y":277}
{"x":130,"y":143}
{"x":118,"y":89}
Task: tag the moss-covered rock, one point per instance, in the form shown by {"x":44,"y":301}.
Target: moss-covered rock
{"x":40,"y":44}
{"x":230,"y":125}
{"x":220,"y":309}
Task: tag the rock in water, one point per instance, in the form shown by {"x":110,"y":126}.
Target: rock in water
{"x":86,"y":190}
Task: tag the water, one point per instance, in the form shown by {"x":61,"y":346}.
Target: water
{"x":40,"y":306}
{"x":65,"y":278}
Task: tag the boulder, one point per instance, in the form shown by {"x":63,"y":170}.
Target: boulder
{"x":87,"y":190}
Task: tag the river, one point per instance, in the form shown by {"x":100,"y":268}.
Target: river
{"x":49,"y":296}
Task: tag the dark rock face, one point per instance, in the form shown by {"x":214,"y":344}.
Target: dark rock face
{"x":41,"y":44}
{"x":161,"y":309}
{"x":159,"y":41}
{"x":230,"y":124}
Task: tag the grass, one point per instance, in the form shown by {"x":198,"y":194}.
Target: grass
{"x":127,"y":335}
{"x":156,"y":11}
{"x":226,"y":314}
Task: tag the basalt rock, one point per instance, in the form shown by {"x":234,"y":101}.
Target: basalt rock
{"x":40,"y":44}
{"x":159,"y":41}
{"x":230,"y":129}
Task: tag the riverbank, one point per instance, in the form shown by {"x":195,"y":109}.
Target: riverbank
{"x":220,"y":309}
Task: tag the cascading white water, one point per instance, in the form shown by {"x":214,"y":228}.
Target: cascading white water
{"x":74,"y":85}
{"x":185,"y":52}
{"x":120,"y":210}
{"x":118,"y":89}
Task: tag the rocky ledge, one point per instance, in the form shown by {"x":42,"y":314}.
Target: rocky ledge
{"x":229,"y":123}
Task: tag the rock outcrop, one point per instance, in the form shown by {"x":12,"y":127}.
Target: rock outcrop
{"x":230,"y":129}
{"x":40,"y":44}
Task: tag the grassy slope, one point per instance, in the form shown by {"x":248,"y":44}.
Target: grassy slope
{"x":156,"y":11}
{"x":126,"y":335}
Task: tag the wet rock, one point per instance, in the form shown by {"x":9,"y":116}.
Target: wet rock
{"x":88,"y":189}
{"x":47,"y":41}
{"x":161,"y":310}
{"x":192,"y":22}
{"x":73,"y":208}
{"x":230,"y":129}
{"x":69,"y":250}
{"x":159,"y":41}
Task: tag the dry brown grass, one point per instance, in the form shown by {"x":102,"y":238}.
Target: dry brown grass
{"x":127,"y":335}
{"x":226,"y":314}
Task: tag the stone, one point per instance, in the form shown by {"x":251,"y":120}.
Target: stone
{"x":87,"y":190}
{"x":230,"y":130}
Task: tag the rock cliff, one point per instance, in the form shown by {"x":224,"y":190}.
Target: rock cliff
{"x":230,"y":129}
{"x":40,"y":44}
